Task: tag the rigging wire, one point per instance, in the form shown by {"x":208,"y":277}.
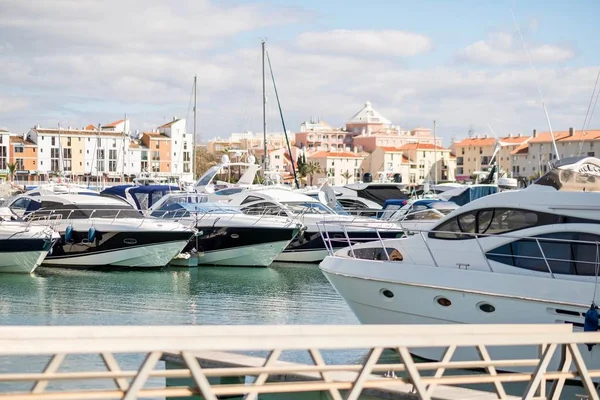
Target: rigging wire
{"x":587,"y":113}
{"x":537,"y":80}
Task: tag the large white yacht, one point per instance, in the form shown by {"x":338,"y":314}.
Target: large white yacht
{"x":100,"y":231}
{"x":23,"y":246}
{"x":308,"y":246}
{"x":526,"y":256}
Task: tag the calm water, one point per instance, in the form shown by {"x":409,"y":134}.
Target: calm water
{"x":281,"y":294}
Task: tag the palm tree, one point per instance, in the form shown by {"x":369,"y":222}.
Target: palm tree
{"x":347,"y":175}
{"x":311,"y":169}
{"x":12,"y":167}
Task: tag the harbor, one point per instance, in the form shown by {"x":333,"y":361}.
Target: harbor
{"x":299,"y":200}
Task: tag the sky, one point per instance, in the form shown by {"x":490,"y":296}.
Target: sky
{"x":462,"y":64}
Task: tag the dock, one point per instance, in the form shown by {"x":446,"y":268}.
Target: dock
{"x":220,"y":362}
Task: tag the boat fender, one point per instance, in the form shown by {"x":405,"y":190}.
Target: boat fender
{"x":91,"y":234}
{"x":591,"y":322}
{"x":69,"y":234}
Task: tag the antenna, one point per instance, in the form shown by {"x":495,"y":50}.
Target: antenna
{"x":471,"y":131}
{"x":538,"y":85}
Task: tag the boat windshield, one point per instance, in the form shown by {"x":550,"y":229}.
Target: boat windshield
{"x":187,"y":198}
{"x":309,"y":207}
{"x":183,"y":210}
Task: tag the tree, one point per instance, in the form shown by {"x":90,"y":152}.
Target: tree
{"x":301,"y":164}
{"x":204,"y":160}
{"x":312,"y":168}
{"x":12,"y":167}
{"x":347,"y":175}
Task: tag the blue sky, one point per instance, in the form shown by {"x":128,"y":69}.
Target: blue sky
{"x":460,"y":63}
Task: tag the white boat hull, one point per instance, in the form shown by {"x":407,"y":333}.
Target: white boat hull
{"x":22,"y":262}
{"x":303,"y":256}
{"x":261,"y":255}
{"x":414,"y":303}
{"x":148,"y":256}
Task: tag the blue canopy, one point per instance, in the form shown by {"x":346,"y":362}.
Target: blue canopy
{"x":143,"y":196}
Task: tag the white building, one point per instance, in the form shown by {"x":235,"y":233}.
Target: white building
{"x":181,"y":148}
{"x":341,"y":167}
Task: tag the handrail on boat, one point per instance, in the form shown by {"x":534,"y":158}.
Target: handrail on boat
{"x":548,"y":261}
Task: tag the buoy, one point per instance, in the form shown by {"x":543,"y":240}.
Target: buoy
{"x":69,"y":234}
{"x":91,"y":234}
{"x":590,"y":323}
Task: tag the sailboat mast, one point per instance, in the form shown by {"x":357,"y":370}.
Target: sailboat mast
{"x":194,"y":136}
{"x":124,"y":152}
{"x":264,"y":106}
{"x":434,"y":155}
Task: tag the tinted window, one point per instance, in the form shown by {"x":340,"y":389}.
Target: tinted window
{"x":492,"y":221}
{"x":250,"y":199}
{"x":347,"y":203}
{"x":569,"y":258}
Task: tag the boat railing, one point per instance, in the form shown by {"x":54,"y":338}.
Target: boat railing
{"x":200,"y":215}
{"x":541,"y":247}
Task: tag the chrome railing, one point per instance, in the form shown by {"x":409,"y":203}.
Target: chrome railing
{"x":200,"y":356}
{"x":547,"y":260}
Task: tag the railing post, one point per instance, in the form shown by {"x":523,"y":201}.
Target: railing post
{"x":428,"y":249}
{"x":544,"y":256}
{"x":348,"y":239}
{"x":387,"y":255}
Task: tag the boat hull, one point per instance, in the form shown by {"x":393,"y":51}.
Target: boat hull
{"x":416,"y":303}
{"x":142,"y":249}
{"x":23,"y":256}
{"x":241,"y":246}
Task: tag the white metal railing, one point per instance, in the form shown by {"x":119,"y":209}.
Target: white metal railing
{"x":329,"y":241}
{"x":107,"y":216}
{"x":553,"y":355}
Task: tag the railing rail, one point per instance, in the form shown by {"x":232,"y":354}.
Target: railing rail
{"x":558,"y":358}
{"x":547,"y":260}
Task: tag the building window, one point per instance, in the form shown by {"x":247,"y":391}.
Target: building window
{"x":3,"y":157}
{"x":100,"y":160}
{"x":53,"y":143}
{"x":68,"y":141}
{"x":19,"y":164}
{"x":18,"y":149}
{"x":55,"y":159}
{"x":67,"y":159}
{"x":112,"y":160}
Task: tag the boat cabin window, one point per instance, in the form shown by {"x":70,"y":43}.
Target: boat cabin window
{"x":309,"y":207}
{"x":250,"y":199}
{"x":426,"y":214}
{"x":568,"y":253}
{"x":491,"y":221}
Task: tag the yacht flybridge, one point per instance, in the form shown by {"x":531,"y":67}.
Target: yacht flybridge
{"x":527,"y":256}
{"x":100,"y":231}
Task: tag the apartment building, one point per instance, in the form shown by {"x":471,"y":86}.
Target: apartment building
{"x":319,"y":135}
{"x":181,"y":146}
{"x":475,"y":153}
{"x":534,"y":157}
{"x":341,"y":167}
{"x":4,"y":153}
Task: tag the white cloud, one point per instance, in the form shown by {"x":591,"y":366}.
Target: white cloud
{"x":89,"y":64}
{"x":504,"y":49}
{"x":365,"y":42}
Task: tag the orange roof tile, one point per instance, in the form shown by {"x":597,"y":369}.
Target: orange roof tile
{"x":334,"y":154}
{"x":405,"y":159}
{"x":90,"y":127}
{"x":563,"y":136}
{"x":421,"y":146}
{"x":114,"y":124}
{"x":521,"y":149}
{"x":515,"y":139}
{"x":476,"y":142}
{"x":21,"y":140}
{"x":390,"y":149}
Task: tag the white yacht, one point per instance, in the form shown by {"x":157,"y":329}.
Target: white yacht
{"x":23,"y":246}
{"x":100,"y":231}
{"x":226,"y":235}
{"x":308,"y":246}
{"x":527,"y":256}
